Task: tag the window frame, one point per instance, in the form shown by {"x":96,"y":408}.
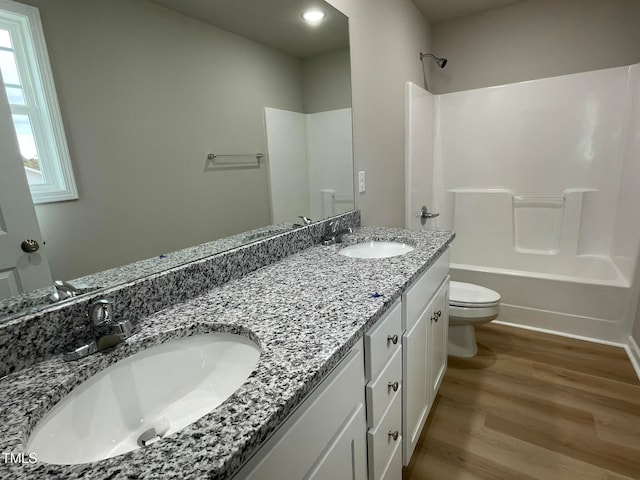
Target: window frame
{"x":27,"y":37}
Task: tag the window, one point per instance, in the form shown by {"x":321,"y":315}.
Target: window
{"x":28,"y":81}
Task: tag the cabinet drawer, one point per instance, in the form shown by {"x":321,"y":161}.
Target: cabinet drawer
{"x":382,"y":341}
{"x":380,"y":393}
{"x":381,"y":444}
{"x":420,"y":293}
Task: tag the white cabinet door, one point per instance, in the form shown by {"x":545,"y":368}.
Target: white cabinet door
{"x":325,"y":438}
{"x":416,"y":382}
{"x":425,"y":363}
{"x":345,"y":457}
{"x":437,"y":352}
{"x":19,"y":271}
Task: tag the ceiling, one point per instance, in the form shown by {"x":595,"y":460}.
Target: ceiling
{"x":437,"y":11}
{"x":277,"y":23}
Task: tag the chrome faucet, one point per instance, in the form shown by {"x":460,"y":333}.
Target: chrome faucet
{"x":107,"y":331}
{"x":62,"y":291}
{"x":333,"y":234}
{"x":305,"y":221}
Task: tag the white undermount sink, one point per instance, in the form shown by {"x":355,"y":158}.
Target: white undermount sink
{"x":143,"y":398}
{"x":376,"y":249}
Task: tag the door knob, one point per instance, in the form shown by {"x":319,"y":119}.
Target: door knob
{"x":29,"y":246}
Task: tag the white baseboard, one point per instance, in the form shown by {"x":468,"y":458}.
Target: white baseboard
{"x":589,"y":329}
{"x":562,"y":334}
{"x":633,"y":352}
{"x":573,"y":326}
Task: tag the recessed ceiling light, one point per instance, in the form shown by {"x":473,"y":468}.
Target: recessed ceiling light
{"x":313,"y":15}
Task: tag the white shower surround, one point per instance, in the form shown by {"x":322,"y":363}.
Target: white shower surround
{"x":310,"y":163}
{"x":572,"y":140}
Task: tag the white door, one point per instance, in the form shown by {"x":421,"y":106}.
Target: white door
{"x":19,"y":271}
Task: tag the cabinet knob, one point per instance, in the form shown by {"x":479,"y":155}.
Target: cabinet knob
{"x":394,"y":435}
{"x":392,"y":339}
{"x":439,"y":313}
{"x":435,"y":318}
{"x":394,"y":386}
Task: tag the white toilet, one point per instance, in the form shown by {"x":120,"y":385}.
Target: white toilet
{"x":469,"y":305}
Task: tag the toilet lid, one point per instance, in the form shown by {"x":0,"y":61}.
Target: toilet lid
{"x":470,"y":295}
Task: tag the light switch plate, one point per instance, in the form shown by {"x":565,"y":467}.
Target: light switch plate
{"x":361,"y":185}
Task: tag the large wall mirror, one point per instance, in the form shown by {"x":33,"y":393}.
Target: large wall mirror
{"x":148,"y":88}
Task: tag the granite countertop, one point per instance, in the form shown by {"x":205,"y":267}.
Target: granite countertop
{"x":305,"y":312}
{"x":38,"y":299}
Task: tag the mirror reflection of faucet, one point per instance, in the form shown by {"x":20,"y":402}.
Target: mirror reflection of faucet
{"x":62,"y":291}
{"x":305,"y":221}
{"x":333,"y":234}
{"x":106,"y":330}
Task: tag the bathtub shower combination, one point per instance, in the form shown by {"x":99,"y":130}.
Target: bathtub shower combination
{"x":539,"y":181}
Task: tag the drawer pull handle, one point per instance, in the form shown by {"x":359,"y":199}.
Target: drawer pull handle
{"x":392,"y":338}
{"x":394,"y":435}
{"x":394,"y":386}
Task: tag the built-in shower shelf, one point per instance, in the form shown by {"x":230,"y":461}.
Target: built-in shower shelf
{"x":537,"y":224}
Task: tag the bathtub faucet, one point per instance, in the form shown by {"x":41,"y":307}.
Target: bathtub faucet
{"x":424,"y":215}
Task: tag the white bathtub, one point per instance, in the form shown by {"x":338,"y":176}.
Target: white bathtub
{"x":582,"y":296}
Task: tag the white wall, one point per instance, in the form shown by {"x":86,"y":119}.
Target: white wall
{"x":627,"y":228}
{"x":287,"y":164}
{"x":540,"y":138}
{"x":535,"y":39}
{"x":145,"y":93}
{"x":636,"y":326}
{"x":419,"y":166}
{"x":310,"y":163}
{"x":386,"y":38}
{"x":563,"y":150}
{"x":329,"y":152}
{"x":626,"y":234}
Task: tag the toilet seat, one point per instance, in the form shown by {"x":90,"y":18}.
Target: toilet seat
{"x":468,"y":295}
{"x":473,"y":315}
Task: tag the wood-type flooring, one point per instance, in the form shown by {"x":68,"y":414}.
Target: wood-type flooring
{"x":533,"y":406}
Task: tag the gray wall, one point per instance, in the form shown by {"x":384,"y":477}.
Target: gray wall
{"x":535,"y":39}
{"x":326,"y":82}
{"x":386,"y":38}
{"x":145,"y":93}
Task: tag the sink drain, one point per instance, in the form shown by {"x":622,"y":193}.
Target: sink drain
{"x":152,"y":435}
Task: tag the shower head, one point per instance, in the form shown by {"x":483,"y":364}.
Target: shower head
{"x":441,"y":62}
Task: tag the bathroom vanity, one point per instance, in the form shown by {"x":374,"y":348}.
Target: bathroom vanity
{"x":404,"y":355}
{"x":343,"y":351}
